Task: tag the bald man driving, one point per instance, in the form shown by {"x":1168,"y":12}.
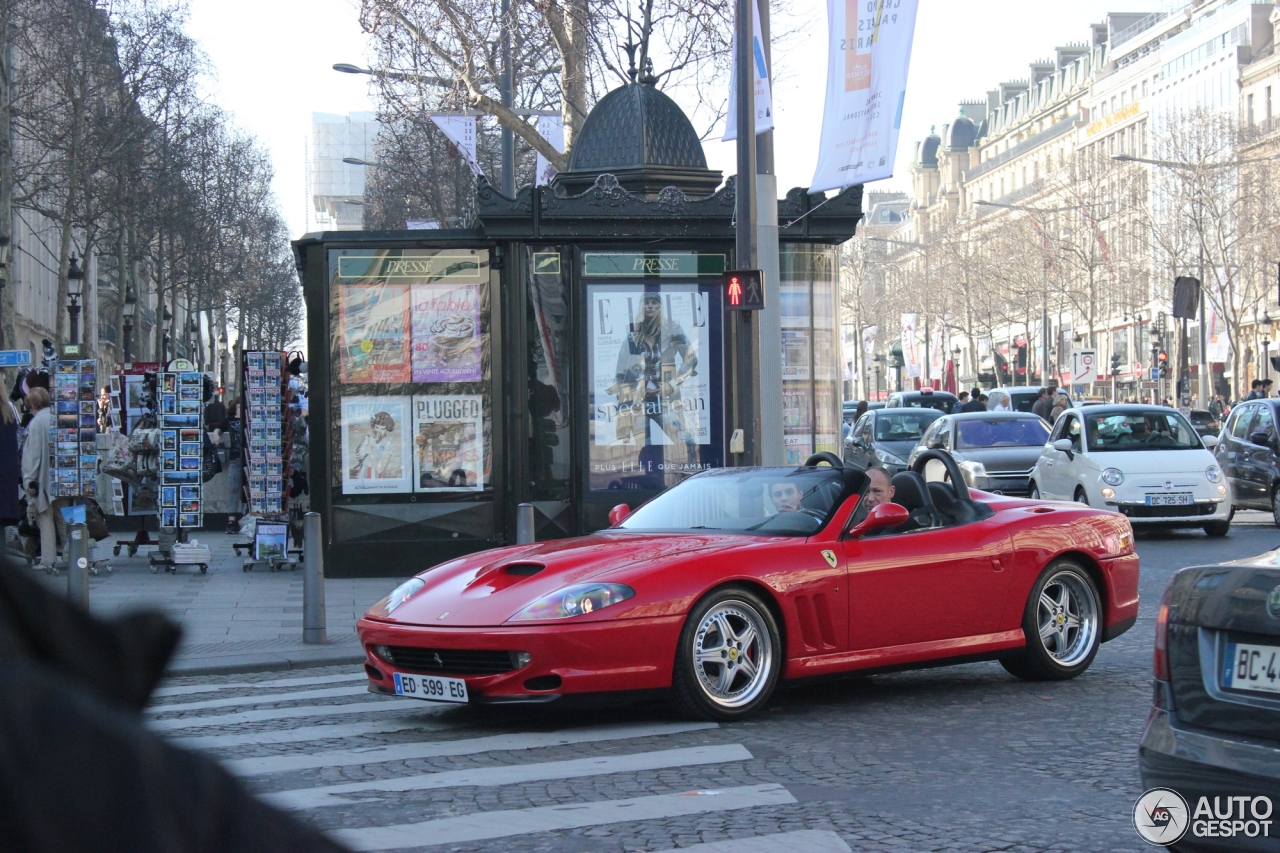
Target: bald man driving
{"x":879,"y":488}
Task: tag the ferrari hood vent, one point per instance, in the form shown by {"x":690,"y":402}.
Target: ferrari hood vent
{"x":523,"y":570}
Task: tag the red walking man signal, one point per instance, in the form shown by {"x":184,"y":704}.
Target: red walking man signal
{"x":743,"y":290}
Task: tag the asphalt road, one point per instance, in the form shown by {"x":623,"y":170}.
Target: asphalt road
{"x":951,"y":759}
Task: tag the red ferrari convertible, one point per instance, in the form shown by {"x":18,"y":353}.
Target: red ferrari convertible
{"x":738,"y":578}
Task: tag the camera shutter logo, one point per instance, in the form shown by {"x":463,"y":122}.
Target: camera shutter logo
{"x":1161,"y":816}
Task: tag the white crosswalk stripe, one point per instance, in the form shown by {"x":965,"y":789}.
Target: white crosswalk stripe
{"x":512,"y":774}
{"x":470,"y":746}
{"x":290,"y":766}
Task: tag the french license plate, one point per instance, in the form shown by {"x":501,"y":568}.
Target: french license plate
{"x":1250,"y":667}
{"x":1181,"y":499}
{"x":431,"y":687}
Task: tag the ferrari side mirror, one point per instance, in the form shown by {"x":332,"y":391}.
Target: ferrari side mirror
{"x":618,"y":514}
{"x":880,"y":517}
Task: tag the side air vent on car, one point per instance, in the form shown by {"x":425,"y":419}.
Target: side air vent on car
{"x":523,"y":569}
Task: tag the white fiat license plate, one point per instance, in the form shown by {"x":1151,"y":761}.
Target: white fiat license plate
{"x":1250,"y":667}
{"x":431,"y":687}
{"x":1181,"y":499}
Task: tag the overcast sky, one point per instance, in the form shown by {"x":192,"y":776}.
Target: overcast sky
{"x":273,"y":61}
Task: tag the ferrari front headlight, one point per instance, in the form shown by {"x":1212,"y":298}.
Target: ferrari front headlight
{"x":398,"y":596}
{"x":1113,"y":476}
{"x":576,"y":600}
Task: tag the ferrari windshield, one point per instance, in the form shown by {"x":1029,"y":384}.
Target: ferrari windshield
{"x":1020,"y":432}
{"x":1139,"y":430}
{"x":766,"y":501}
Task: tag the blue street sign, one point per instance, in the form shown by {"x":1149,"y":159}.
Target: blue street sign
{"x":1155,"y":374}
{"x":15,"y":358}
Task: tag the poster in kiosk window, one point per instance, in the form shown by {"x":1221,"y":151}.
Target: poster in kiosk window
{"x":376,"y":446}
{"x":651,"y":394}
{"x":448,"y":443}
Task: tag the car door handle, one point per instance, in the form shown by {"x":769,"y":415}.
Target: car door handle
{"x":997,"y":564}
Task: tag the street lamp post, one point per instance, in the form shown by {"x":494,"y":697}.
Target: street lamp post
{"x":75,"y":281}
{"x":1266,"y":343}
{"x":127,"y":310}
{"x":1154,"y":332}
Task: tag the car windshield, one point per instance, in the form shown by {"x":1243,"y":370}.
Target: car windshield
{"x":1130,"y":431}
{"x":904,"y":426}
{"x":764,"y":501}
{"x":928,"y":401}
{"x":1003,"y":432}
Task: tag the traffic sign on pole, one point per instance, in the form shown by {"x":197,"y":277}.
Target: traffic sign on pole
{"x":15,"y":358}
{"x":1084,"y":365}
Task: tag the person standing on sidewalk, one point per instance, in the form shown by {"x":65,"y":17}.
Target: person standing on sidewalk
{"x":10,"y":464}
{"x":35,"y":474}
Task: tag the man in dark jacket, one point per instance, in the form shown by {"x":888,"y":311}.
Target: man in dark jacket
{"x":1043,"y":404}
{"x":975,"y":403}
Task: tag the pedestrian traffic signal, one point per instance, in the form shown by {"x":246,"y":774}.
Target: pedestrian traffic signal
{"x":743,"y":290}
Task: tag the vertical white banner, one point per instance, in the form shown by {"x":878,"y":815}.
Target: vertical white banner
{"x":869,"y":340}
{"x":868,"y":55}
{"x":461,"y":131}
{"x":937,"y":352}
{"x":763,"y":92}
{"x":910,"y":346}
{"x":552,"y":130}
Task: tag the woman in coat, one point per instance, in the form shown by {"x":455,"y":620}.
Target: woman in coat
{"x":35,"y":474}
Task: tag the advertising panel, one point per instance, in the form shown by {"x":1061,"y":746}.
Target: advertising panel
{"x":446,"y":333}
{"x":650,"y":351}
{"x":375,"y":445}
{"x":448,"y":443}
{"x":374,"y":333}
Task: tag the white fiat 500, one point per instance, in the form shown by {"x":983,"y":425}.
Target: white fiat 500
{"x":1146,"y":462}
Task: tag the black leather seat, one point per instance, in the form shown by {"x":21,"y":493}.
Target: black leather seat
{"x":911,"y":492}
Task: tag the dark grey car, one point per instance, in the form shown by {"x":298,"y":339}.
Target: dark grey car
{"x":883,"y":438}
{"x":996,"y":450}
{"x":1214,"y":730}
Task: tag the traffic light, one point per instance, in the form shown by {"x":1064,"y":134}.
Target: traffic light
{"x":1162,"y":361}
{"x":743,"y":290}
{"x":1115,"y":364}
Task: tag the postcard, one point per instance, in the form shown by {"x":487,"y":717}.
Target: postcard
{"x":187,"y":392}
{"x":88,"y":462}
{"x":190,"y":378}
{"x":168,"y":404}
{"x":255,"y":360}
{"x":89,"y":421}
{"x":169,"y":517}
{"x":189,"y":463}
{"x":169,"y":439}
{"x":189,"y":407}
{"x":168,"y":460}
{"x":169,"y":495}
{"x":168,"y":383}
{"x":189,"y":448}
{"x":189,"y":519}
{"x":191,"y":435}
{"x":179,"y":477}
{"x":189,"y":493}
{"x":88,"y":407}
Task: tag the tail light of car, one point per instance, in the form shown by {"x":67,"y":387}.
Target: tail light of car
{"x":1160,"y":660}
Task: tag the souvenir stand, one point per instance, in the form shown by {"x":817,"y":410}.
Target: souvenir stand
{"x":267,"y":450}
{"x":134,"y":477}
{"x":180,"y":404}
{"x":73,"y":449}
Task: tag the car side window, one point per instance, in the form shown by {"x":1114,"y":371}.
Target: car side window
{"x":1071,"y":431}
{"x":1264,"y":421}
{"x":863,"y":429}
{"x":1240,"y":420}
{"x":943,"y":434}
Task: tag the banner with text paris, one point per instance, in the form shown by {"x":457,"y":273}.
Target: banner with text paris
{"x":868,"y":55}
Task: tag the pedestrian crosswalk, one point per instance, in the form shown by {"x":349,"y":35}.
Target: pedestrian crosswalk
{"x":382,"y":773}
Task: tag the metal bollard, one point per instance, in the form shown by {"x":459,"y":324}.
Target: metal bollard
{"x":524,"y":524}
{"x":78,"y":564}
{"x":313,"y":617}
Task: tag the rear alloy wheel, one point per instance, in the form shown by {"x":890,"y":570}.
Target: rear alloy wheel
{"x":1062,"y":625}
{"x":729,"y":657}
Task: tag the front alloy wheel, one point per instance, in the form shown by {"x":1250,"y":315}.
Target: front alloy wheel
{"x":729,"y":656}
{"x":1062,"y":625}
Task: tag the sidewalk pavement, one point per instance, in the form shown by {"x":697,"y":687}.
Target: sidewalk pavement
{"x":232,"y":620}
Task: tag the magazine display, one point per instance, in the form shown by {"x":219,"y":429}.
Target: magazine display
{"x":181,"y":407}
{"x":73,"y":452}
{"x":266,"y":447}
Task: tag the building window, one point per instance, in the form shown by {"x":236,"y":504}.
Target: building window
{"x":1248,"y":110}
{"x":1144,"y":88}
{"x":1267,"y":105}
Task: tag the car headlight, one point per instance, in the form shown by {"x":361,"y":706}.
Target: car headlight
{"x":1213,"y":474}
{"x":1113,"y":476}
{"x":973,"y":470}
{"x":575,"y":601}
{"x":888,"y":458}
{"x":398,"y":596}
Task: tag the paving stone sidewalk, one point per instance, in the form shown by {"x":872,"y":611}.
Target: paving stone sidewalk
{"x":232,"y":620}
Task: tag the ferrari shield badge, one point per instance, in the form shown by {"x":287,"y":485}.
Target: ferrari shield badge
{"x":830,"y":557}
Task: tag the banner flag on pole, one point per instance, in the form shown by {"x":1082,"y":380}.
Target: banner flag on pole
{"x":869,"y":340}
{"x":868,"y":55}
{"x":461,"y":131}
{"x":910,"y":353}
{"x":552,"y":130}
{"x":763,"y":93}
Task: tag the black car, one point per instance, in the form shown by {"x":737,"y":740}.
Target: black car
{"x":1214,"y":730}
{"x":1204,"y":422}
{"x":943,"y":401}
{"x":1247,"y":454}
{"x":996,"y":450}
{"x":883,"y":438}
